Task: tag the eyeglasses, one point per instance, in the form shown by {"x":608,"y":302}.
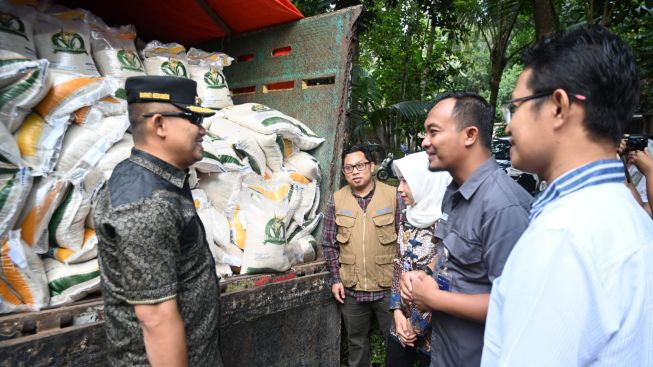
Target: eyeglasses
{"x":359,"y":167}
{"x":192,"y":117}
{"x":508,"y":109}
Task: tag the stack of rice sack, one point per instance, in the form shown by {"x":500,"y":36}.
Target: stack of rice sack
{"x":59,"y":119}
{"x":257,"y":182}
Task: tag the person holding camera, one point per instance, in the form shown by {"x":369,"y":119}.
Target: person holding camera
{"x":635,"y":151}
{"x":577,"y":288}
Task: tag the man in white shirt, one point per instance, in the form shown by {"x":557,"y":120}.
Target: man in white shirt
{"x":577,"y":289}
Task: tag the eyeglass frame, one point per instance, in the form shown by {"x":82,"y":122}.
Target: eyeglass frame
{"x":508,"y":108}
{"x":193,"y":118}
{"x":352,"y":166}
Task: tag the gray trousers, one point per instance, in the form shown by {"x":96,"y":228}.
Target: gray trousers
{"x":358,"y":320}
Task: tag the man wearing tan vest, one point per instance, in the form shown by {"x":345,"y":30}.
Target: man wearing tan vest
{"x":359,"y":239}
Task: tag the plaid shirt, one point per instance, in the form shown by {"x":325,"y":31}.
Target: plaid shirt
{"x":332,"y":248}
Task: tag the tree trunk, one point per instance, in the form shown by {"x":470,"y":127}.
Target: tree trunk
{"x":430,"y":40}
{"x":498,"y":63}
{"x":546,"y":19}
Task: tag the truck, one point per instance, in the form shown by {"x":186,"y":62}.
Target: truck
{"x":285,"y":319}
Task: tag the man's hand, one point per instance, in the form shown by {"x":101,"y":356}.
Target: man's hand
{"x":406,"y":284}
{"x":644,"y":163}
{"x":404,"y":329}
{"x":424,"y":289}
{"x":338,"y":291}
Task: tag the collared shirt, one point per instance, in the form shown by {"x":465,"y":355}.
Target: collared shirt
{"x":481,"y":221}
{"x":577,"y":289}
{"x":152,"y":248}
{"x":332,"y":249}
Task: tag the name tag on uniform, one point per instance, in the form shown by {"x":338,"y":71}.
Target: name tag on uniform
{"x":444,"y":217}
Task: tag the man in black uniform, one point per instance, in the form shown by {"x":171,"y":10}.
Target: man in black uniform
{"x":160,"y":289}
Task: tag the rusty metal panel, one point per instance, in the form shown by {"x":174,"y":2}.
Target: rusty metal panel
{"x":319,"y":67}
{"x":290,"y":323}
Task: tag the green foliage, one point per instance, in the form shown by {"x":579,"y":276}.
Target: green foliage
{"x":412,"y":50}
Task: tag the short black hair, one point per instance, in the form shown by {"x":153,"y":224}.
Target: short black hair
{"x":136,"y":119}
{"x":591,"y":61}
{"x":358,"y":148}
{"x":471,"y":110}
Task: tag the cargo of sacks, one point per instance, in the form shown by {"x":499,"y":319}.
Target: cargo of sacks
{"x":259,"y":188}
{"x":64,"y":129}
{"x":59,"y":119}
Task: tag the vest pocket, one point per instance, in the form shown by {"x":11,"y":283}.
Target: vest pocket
{"x":345,"y":225}
{"x":348,"y":270}
{"x":386,"y":269}
{"x":385,"y":228}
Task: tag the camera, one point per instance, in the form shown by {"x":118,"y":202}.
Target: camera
{"x":636,"y":142}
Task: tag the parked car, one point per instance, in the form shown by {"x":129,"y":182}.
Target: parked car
{"x":501,"y":152}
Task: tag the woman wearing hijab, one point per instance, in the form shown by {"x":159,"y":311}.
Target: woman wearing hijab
{"x":421,"y":191}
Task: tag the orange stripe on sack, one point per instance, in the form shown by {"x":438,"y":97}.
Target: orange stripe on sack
{"x":35,"y":215}
{"x":81,"y":115}
{"x":58,"y":93}
{"x":14,"y":277}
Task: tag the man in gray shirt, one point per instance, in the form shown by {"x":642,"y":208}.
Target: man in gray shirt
{"x":484,"y":213}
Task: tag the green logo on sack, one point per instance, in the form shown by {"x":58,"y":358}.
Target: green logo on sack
{"x":129,"y":61}
{"x":271,"y":121}
{"x":173,"y":67}
{"x":274,"y":232}
{"x":12,"y":24}
{"x":260,"y":108}
{"x":214,"y":80}
{"x":69,"y":42}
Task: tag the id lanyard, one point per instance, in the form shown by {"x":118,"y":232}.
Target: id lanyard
{"x":442,"y":276}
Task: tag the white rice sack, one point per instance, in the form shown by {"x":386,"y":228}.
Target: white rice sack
{"x":265,"y":120}
{"x":23,"y":83}
{"x":287,"y":148}
{"x":110,"y":106}
{"x":115,"y":53}
{"x":264,"y":214}
{"x":222,"y":259}
{"x":15,"y":186}
{"x":302,"y":250}
{"x":44,"y":199}
{"x":215,"y":223}
{"x":165,"y":59}
{"x":304,"y":164}
{"x":306,"y":191}
{"x":221,"y":188}
{"x":203,"y":207}
{"x":64,"y":39}
{"x":316,"y":202}
{"x":218,"y":156}
{"x":17,"y":29}
{"x":88,"y":115}
{"x":305,"y":230}
{"x":69,"y":283}
{"x":206,"y":69}
{"x":271,"y":145}
{"x":243,"y":139}
{"x":70,"y":92}
{"x":88,"y":250}
{"x":66,"y":227}
{"x":93,"y":182}
{"x":85,"y":145}
{"x":9,"y":152}
{"x":23,"y":282}
{"x":40,"y":142}
{"x":276,"y":190}
{"x":116,"y":154}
